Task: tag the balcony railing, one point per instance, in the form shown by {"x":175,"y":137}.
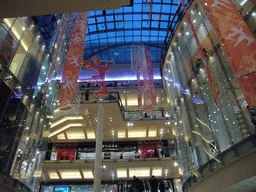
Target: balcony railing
{"x":138,"y":115}
{"x":109,"y":154}
{"x":135,"y":115}
{"x":112,"y":85}
{"x":227,"y":156}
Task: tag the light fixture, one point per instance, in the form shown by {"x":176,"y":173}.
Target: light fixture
{"x":157,"y":171}
{"x":121,"y":134}
{"x":87,"y":173}
{"x":65,"y":127}
{"x":65,"y":119}
{"x":175,"y":164}
{"x":139,"y":171}
{"x":53,"y":174}
{"x":70,"y":174}
{"x":121,"y":172}
{"x":137,"y":133}
{"x":90,"y":134}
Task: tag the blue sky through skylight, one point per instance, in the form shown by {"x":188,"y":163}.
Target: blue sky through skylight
{"x":111,"y":33}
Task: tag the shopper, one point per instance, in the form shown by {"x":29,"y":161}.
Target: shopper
{"x":140,"y":186}
{"x":153,"y":183}
{"x":135,"y":184}
{"x":161,"y":186}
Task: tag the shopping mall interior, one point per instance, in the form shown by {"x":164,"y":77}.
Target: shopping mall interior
{"x":94,"y":93}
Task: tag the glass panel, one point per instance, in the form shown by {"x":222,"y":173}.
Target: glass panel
{"x":18,"y":29}
{"x":8,"y":49}
{"x":3,"y":33}
{"x":33,"y":50}
{"x":17,"y":60}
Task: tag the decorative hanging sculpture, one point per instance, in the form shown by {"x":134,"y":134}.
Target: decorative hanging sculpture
{"x":238,"y":43}
{"x":141,"y":61}
{"x":97,"y":79}
{"x":73,"y":60}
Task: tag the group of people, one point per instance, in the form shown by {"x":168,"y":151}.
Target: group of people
{"x":138,"y":186}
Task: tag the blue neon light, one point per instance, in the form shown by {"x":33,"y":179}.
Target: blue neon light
{"x":62,"y":188}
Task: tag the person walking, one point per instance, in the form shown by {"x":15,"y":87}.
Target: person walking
{"x":161,"y":186}
{"x":140,"y":186}
{"x":135,"y":184}
{"x":153,"y":183}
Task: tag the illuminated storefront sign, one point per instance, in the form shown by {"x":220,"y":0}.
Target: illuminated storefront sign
{"x":62,"y":188}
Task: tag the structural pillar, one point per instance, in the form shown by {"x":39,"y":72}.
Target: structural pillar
{"x":98,"y":152}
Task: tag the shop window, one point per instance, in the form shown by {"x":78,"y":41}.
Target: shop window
{"x":66,"y":153}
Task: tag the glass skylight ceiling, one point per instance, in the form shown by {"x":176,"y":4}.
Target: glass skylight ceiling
{"x":110,"y":33}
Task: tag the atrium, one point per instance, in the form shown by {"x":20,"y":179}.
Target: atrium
{"x":93,"y":94}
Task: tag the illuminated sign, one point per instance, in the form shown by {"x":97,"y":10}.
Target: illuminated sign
{"x":64,"y":188}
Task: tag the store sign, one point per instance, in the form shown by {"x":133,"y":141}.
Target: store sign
{"x":62,"y":188}
{"x":238,"y":43}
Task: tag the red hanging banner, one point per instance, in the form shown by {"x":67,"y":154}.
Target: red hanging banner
{"x":148,"y":81}
{"x":73,"y":61}
{"x":238,"y":43}
{"x":213,"y":86}
{"x":138,"y":80}
{"x":150,"y":76}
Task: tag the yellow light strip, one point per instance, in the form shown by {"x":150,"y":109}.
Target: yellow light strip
{"x":66,"y":119}
{"x":203,"y":123}
{"x":157,"y":171}
{"x":205,"y":139}
{"x":7,"y":22}
{"x":211,"y":156}
{"x":152,"y":133}
{"x":53,"y":175}
{"x":90,"y":135}
{"x":88,"y":174}
{"x":70,"y":174}
{"x":64,"y":128}
{"x":121,"y":172}
{"x":136,"y":133}
{"x":37,"y":174}
{"x":121,"y":134}
{"x":61,"y":136}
